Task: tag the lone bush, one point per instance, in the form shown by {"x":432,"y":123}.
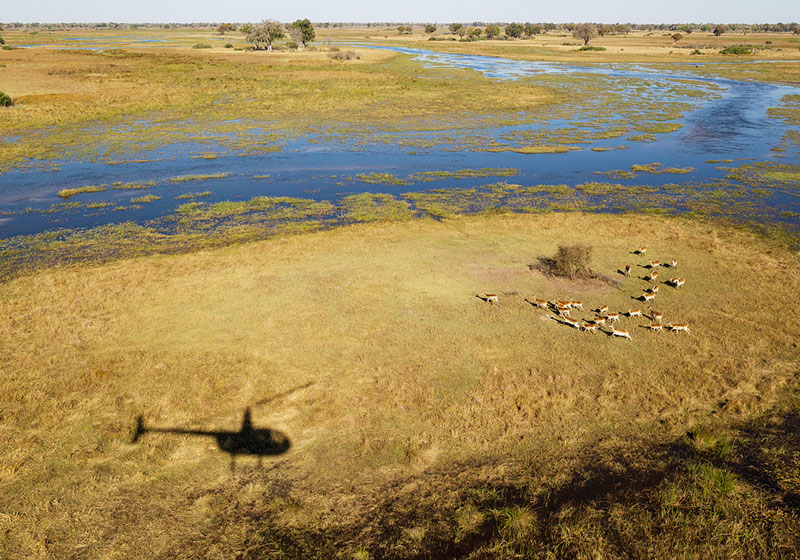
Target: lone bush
{"x":228,"y":45}
{"x":591,"y":48}
{"x":346,"y":55}
{"x":201,"y":46}
{"x":571,"y":261}
{"x":5,"y":100}
{"x":738,"y":49}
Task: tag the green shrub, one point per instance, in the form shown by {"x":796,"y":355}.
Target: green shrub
{"x":201,"y":46}
{"x":738,"y":49}
{"x":8,"y":48}
{"x":591,"y":48}
{"x":291,"y":45}
{"x":696,"y":51}
{"x":228,"y":45}
{"x":571,"y":261}
{"x":5,"y":100}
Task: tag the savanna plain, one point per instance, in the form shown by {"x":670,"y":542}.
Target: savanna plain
{"x":165,"y":267}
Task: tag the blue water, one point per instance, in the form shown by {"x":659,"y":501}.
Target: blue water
{"x":727,"y":119}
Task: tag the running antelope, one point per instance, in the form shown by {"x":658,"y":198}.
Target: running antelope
{"x":590,"y":327}
{"x":674,"y":263}
{"x":678,"y":327}
{"x":575,"y":304}
{"x":563,"y":310}
{"x":655,"y":289}
{"x":642,"y":250}
{"x":623,"y":334}
{"x":656,"y":315}
{"x":599,"y":320}
{"x":570,"y":322}
{"x":654,"y":264}
{"x":677,"y":282}
{"x":656,"y":327}
{"x":540,"y":303}
{"x":603,"y":309}
{"x":649,"y":296}
{"x":628,"y":269}
{"x":653,"y":274}
{"x":562,"y":302}
{"x":634,"y":312}
{"x":491,"y":298}
{"x":612,"y":317}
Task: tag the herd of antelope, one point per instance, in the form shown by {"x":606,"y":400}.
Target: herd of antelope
{"x":603,"y":316}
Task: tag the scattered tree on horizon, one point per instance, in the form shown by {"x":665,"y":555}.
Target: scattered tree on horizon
{"x":719,"y":30}
{"x":585,"y":32}
{"x":306,"y":30}
{"x":475,"y":32}
{"x":514,"y":30}
{"x":492,"y":31}
{"x":604,"y":30}
{"x":677,"y":37}
{"x":263,"y":34}
{"x":430,"y":29}
{"x":455,"y":27}
{"x":531,"y":30}
{"x":223,"y":27}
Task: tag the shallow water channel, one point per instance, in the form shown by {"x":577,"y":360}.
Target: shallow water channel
{"x":713,"y":125}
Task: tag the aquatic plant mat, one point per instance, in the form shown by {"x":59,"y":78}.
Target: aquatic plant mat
{"x":424,"y":422}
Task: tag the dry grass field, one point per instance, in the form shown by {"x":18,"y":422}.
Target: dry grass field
{"x":424,"y":422}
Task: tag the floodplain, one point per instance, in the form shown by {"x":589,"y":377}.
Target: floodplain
{"x":188,"y":233}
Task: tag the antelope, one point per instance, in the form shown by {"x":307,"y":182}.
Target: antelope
{"x":590,"y":327}
{"x":653,"y":274}
{"x":540,"y":303}
{"x":656,"y":315}
{"x":628,"y":269}
{"x":674,"y":263}
{"x":562,"y":302}
{"x":603,"y":309}
{"x":655,"y":289}
{"x":612,"y":317}
{"x":649,"y":296}
{"x":634,"y":312}
{"x":677,"y":282}
{"x":491,"y":298}
{"x":570,"y":322}
{"x":654,"y":264}
{"x":656,"y":327}
{"x":642,"y":250}
{"x":563,"y":310}
{"x":623,"y":334}
{"x":576,"y":304}
{"x":599,"y":320}
{"x":677,"y":327}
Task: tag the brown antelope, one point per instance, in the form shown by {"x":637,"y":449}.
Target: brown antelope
{"x":628,"y":269}
{"x":634,"y":312}
{"x":678,"y":327}
{"x":642,"y":250}
{"x":653,"y":274}
{"x":599,"y":320}
{"x":677,"y":282}
{"x":590,"y":327}
{"x":656,"y":327}
{"x":655,"y":289}
{"x":562,"y":302}
{"x":623,"y":334}
{"x":649,"y":296}
{"x":656,"y":315}
{"x":603,"y":309}
{"x":570,"y":322}
{"x":575,"y":304}
{"x":540,"y":303}
{"x":612,"y":317}
{"x":563,"y":310}
{"x":491,"y":298}
{"x":654,"y":264}
{"x":674,"y":263}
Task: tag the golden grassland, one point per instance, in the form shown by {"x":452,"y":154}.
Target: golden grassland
{"x":424,"y":422}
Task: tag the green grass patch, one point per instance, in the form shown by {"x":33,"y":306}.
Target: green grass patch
{"x":368,"y":207}
{"x":67,"y":193}
{"x":145,"y":199}
{"x":200,"y":177}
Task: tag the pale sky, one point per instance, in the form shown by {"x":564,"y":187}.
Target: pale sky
{"x":600,"y":11}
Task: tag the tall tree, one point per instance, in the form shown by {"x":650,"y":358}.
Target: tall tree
{"x":306,"y":30}
{"x":585,"y":32}
{"x":492,"y":31}
{"x":430,"y":28}
{"x":263,"y":34}
{"x":719,"y":30}
{"x":514,"y":30}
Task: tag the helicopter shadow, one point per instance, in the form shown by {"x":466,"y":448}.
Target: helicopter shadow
{"x":248,"y":441}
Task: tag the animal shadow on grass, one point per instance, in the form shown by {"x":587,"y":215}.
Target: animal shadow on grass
{"x":258,"y":442}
